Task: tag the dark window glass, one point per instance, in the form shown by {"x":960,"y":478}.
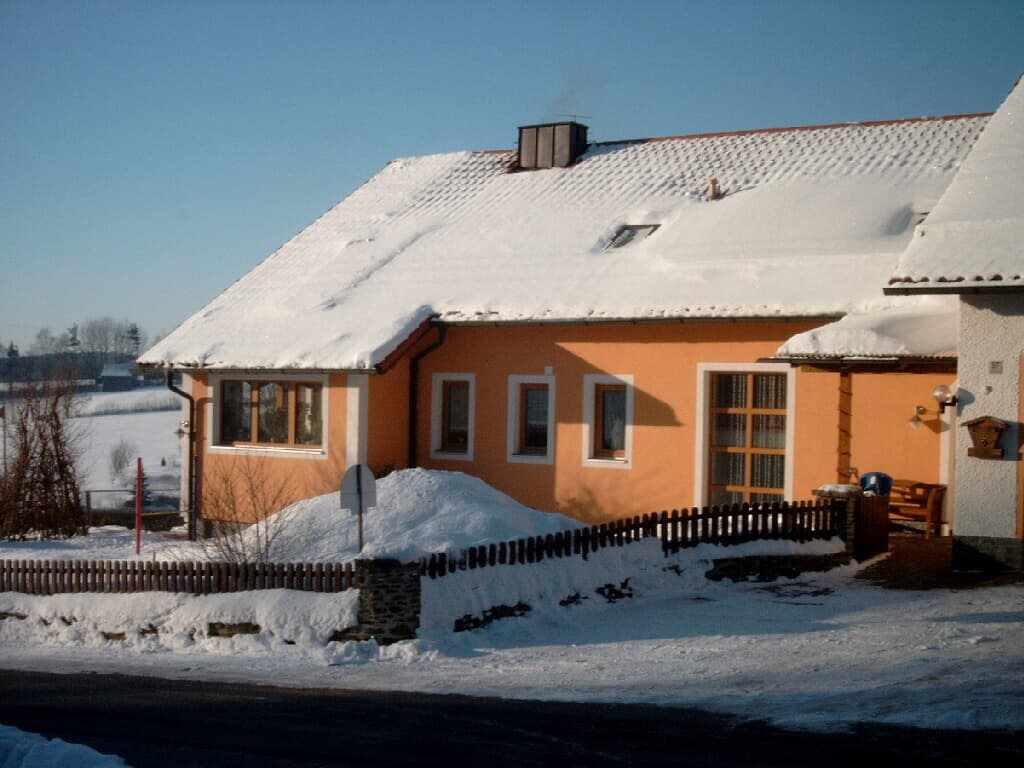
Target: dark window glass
{"x":273,"y":413}
{"x":308,"y":418}
{"x":236,"y":412}
{"x":455,"y":417}
{"x":533,"y":418}
{"x":610,"y":420}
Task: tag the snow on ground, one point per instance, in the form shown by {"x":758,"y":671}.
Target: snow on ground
{"x":822,"y":651}
{"x":105,"y":419}
{"x":418,"y":512}
{"x":29,"y":750}
{"x":129,"y":401}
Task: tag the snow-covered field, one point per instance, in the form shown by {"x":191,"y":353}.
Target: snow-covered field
{"x":822,"y":651}
{"x":141,"y":418}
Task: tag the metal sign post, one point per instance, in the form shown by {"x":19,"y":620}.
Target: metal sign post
{"x":359,"y":493}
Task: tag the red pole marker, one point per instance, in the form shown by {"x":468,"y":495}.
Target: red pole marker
{"x":138,"y":510}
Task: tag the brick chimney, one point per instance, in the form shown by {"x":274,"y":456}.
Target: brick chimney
{"x":551,"y":145}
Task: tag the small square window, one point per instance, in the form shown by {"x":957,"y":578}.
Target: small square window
{"x":608,"y":420}
{"x":632,"y":233}
{"x":531,"y":407}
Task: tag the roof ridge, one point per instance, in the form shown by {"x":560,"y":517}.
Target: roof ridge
{"x":825,"y":126}
{"x":784,"y":129}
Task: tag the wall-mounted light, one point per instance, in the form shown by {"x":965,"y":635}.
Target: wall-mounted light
{"x":915,"y":420}
{"x":945,"y":397}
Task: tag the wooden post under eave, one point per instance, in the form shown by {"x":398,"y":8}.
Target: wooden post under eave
{"x":845,"y":426}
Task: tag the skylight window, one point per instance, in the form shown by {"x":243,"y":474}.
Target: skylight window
{"x":632,"y":233}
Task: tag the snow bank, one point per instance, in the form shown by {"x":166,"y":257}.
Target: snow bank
{"x":638,"y":569}
{"x":29,"y":750}
{"x":161,"y":621}
{"x":418,"y":512}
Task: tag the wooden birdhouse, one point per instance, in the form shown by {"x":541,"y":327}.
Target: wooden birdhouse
{"x":985,"y":432}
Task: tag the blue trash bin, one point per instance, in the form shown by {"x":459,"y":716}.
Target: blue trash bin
{"x":877,"y":483}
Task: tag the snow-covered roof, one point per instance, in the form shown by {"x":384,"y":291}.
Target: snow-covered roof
{"x":119,"y":370}
{"x":974,"y":238}
{"x":811,"y":225}
{"x":919,"y":327}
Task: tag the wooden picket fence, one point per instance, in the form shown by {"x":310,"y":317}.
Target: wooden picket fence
{"x":677,"y":529}
{"x":48,"y":577}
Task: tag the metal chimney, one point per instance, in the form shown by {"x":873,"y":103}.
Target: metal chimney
{"x":551,"y":145}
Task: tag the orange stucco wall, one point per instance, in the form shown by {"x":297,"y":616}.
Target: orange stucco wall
{"x":388,"y":437}
{"x":883,"y":438}
{"x":279,"y":476}
{"x":663,"y":360}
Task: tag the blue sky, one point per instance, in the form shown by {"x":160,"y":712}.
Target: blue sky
{"x":152,"y":153}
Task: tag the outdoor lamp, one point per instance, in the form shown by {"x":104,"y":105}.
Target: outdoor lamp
{"x":944,"y":396}
{"x":915,"y":420}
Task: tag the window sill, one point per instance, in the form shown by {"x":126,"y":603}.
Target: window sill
{"x":608,"y":463}
{"x":271,"y":450}
{"x":451,"y":456}
{"x":530,"y":458}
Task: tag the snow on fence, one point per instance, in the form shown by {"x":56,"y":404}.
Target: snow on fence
{"x":678,"y":529}
{"x":48,"y":577}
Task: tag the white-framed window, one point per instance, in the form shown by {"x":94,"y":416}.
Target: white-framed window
{"x":608,"y":420}
{"x":745,"y":433}
{"x":531,"y":419}
{"x":268,"y":413}
{"x":453,"y":416}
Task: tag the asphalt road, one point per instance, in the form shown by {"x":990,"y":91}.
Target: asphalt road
{"x":152,"y":722}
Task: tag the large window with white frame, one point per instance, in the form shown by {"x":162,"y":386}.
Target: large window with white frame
{"x":608,"y":420}
{"x":747,"y":434}
{"x":269,"y":413}
{"x":531,"y":419}
{"x":453,"y":416}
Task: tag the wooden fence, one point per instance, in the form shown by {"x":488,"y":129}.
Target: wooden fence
{"x":48,"y":577}
{"x":678,"y":529}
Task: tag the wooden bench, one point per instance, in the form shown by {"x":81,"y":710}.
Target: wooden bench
{"x":911,"y":500}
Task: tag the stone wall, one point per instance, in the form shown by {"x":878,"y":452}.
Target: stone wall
{"x":987,"y":553}
{"x":772,"y":567}
{"x":389,"y":602}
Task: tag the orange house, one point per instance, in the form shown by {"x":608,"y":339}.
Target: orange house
{"x":595,"y":329}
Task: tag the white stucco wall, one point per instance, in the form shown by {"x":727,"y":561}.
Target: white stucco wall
{"x":991,"y":331}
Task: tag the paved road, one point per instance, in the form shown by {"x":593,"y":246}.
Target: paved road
{"x":153,"y":722}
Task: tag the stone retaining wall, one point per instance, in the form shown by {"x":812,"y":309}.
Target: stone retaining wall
{"x":389,"y":602}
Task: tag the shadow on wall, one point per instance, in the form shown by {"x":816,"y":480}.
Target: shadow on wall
{"x":584,"y":508}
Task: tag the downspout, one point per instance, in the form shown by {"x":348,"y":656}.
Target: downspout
{"x":414,"y":382}
{"x":191,"y":453}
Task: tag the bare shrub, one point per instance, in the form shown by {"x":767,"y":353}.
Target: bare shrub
{"x":242,"y":511}
{"x":120,"y":460}
{"x":39,"y":492}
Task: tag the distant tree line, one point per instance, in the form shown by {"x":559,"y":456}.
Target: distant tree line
{"x":83,"y":348}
